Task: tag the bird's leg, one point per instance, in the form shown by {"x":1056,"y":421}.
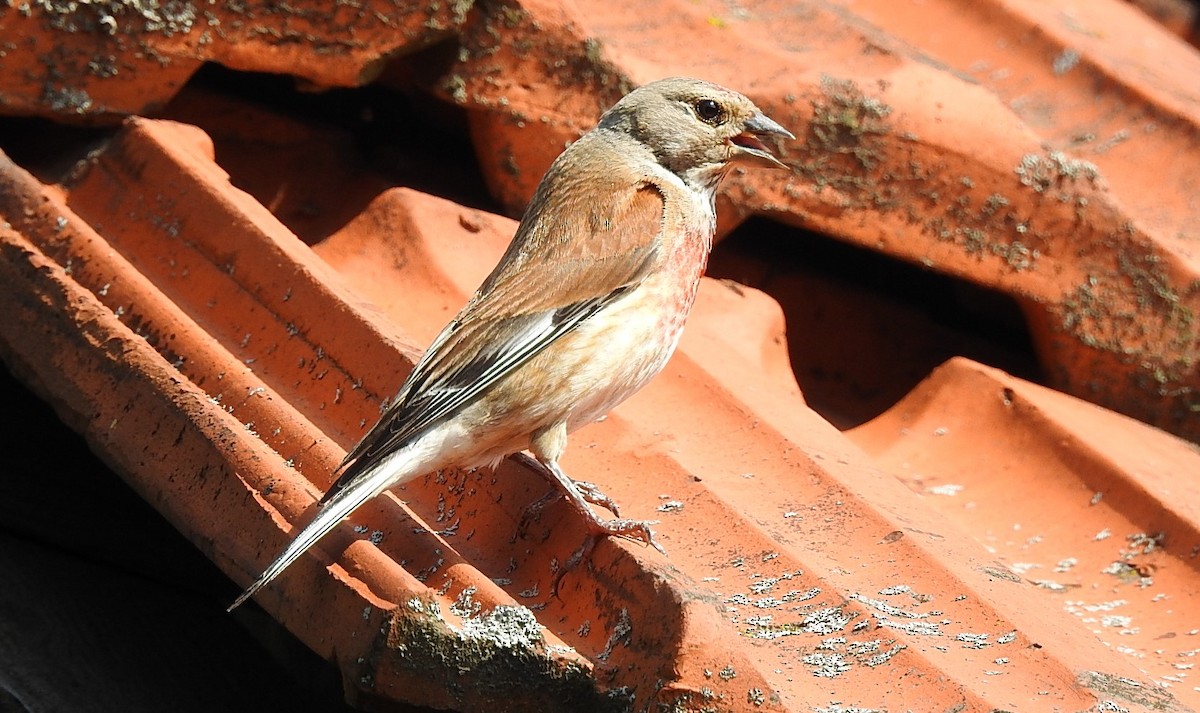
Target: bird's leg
{"x":533,"y":512}
{"x":594,"y":495}
{"x":547,"y":445}
{"x":619,"y":527}
{"x":630,"y":529}
{"x":589,"y":491}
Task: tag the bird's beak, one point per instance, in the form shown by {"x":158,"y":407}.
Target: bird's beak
{"x":749,"y":146}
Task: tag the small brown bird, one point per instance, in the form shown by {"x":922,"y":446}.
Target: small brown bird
{"x":585,"y":307}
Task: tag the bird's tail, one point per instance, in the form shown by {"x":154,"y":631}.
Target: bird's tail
{"x":344,"y":501}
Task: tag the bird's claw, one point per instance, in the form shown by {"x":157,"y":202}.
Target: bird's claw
{"x":594,"y":495}
{"x":637,"y":530}
{"x":590,"y":492}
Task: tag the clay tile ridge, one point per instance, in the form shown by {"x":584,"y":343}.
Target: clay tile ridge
{"x":222,"y":366}
{"x":986,"y":544}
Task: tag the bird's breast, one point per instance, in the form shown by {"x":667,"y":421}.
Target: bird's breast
{"x":630,"y":341}
{"x":615,"y":352}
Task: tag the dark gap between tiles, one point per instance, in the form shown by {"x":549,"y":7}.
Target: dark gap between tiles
{"x":107,"y":607}
{"x":317,"y":158}
{"x":48,"y":150}
{"x":863,"y":328}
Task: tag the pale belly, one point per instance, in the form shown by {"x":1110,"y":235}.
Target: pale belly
{"x":632,"y":343}
{"x":605,"y":360}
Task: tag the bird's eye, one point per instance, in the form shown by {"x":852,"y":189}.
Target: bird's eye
{"x":708,"y":110}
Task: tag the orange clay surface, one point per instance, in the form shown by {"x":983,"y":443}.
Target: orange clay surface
{"x":977,"y":542}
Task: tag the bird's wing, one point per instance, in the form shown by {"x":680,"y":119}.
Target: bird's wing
{"x":567,"y":261}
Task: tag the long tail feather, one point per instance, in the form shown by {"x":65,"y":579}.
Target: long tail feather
{"x":346,"y":500}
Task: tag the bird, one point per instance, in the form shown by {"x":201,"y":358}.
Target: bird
{"x":584,"y":308}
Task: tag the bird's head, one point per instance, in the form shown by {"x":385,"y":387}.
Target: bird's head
{"x":696,"y":129}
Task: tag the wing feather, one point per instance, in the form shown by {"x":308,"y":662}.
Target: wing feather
{"x":567,"y":261}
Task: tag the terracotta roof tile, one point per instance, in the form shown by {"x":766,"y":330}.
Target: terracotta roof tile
{"x":986,"y":543}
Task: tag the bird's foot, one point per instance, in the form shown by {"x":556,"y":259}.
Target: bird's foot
{"x":638,"y":530}
{"x":579,"y":495}
{"x":588,"y":491}
{"x":594,"y":495}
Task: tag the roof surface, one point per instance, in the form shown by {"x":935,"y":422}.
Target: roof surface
{"x":924,"y":445}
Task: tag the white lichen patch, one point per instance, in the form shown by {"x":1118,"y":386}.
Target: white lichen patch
{"x":820,"y":622}
{"x":973,"y":641}
{"x":506,"y":627}
{"x":836,"y":655}
{"x":762,"y":584}
{"x":884,"y":656}
{"x":891,"y":610}
{"x":1050,"y":585}
{"x":826,"y":621}
{"x":797,"y":595}
{"x":1042,"y":172}
{"x":826,"y":665}
{"x":948,"y":489}
{"x":924,"y":628}
{"x":1065,"y":564}
{"x":836,"y":707}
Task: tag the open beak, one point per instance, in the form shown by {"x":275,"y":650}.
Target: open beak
{"x":749,"y":146}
